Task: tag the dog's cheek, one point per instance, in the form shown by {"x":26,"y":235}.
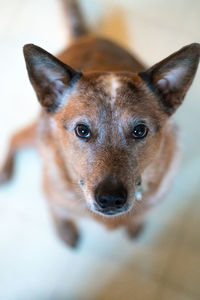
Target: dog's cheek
{"x":147,"y":153}
{"x":77,"y":156}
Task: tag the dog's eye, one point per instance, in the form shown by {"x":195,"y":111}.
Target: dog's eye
{"x":140,"y":131}
{"x":82,"y":131}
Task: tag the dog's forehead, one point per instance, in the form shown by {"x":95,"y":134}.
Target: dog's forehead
{"x":111,"y":91}
{"x":110,"y":95}
{"x":111,"y":87}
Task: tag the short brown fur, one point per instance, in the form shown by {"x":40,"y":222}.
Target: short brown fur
{"x":109,"y":90}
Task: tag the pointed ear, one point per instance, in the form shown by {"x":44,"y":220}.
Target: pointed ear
{"x":50,"y":78}
{"x":171,"y":78}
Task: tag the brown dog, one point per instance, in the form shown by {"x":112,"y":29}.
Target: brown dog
{"x":108,"y":145}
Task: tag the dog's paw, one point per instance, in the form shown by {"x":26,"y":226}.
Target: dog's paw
{"x":68,"y":233}
{"x":134,"y":231}
{"x":6,"y":171}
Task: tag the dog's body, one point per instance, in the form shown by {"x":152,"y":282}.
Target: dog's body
{"x":121,"y":160}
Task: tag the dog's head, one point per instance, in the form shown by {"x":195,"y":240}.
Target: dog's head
{"x":109,"y":125}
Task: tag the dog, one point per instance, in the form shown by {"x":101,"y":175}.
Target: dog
{"x":105,"y":134}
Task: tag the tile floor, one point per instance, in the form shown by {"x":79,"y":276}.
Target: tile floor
{"x":165,"y":262}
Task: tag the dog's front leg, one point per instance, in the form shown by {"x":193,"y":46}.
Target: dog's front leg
{"x":66,"y":229}
{"x":23,"y":138}
{"x":135,"y":226}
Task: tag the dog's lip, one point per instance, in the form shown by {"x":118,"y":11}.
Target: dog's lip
{"x":111,"y":212}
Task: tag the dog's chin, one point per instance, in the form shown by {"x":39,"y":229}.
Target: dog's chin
{"x":111,"y":213}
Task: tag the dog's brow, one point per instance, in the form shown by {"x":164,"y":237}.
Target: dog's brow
{"x":69,"y":125}
{"x":131,"y":86}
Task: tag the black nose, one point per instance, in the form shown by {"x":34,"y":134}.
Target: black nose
{"x":110,"y":194}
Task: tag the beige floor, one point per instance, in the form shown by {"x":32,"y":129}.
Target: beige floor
{"x":164,"y":264}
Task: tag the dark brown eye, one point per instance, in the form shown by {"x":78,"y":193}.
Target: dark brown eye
{"x":82,"y":131}
{"x":140,"y":131}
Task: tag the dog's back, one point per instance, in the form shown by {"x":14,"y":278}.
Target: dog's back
{"x":89,"y":53}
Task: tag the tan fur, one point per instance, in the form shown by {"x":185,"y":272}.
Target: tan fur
{"x":110,"y":95}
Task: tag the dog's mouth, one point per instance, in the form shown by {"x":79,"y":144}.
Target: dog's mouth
{"x":110,"y":212}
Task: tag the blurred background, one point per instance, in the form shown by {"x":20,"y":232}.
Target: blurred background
{"x":164,"y":263}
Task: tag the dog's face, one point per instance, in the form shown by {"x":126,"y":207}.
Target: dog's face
{"x":109,"y":129}
{"x":109,"y":126}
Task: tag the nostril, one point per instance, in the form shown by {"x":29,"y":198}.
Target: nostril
{"x":103,"y":202}
{"x":119,"y":202}
{"x":110,"y":201}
